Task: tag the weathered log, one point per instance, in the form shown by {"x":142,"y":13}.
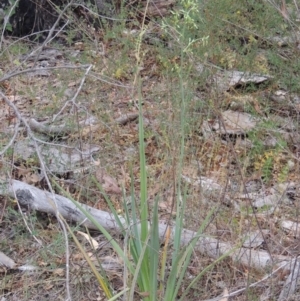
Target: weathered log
{"x":36,"y":199}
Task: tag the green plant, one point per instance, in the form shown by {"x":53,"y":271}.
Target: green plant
{"x":145,"y":263}
{"x":148,"y":268}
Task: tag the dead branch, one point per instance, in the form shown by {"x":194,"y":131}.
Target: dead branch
{"x":76,"y":94}
{"x":30,"y":70}
{"x":124,"y":119}
{"x":40,"y":200}
{"x":49,"y":130}
{"x":61,"y":130}
{"x":290,"y":285}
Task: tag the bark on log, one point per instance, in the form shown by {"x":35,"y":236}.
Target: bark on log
{"x":40,"y":200}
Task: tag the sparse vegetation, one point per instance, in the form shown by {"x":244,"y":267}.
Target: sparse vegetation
{"x":187,"y":119}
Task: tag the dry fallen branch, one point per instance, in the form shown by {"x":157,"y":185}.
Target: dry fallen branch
{"x":20,"y":72}
{"x":50,"y":130}
{"x":61,"y":130}
{"x":76,"y":94}
{"x":37,"y":199}
{"x":159,"y":8}
{"x":6,"y":261}
{"x":124,"y":119}
{"x":290,"y":285}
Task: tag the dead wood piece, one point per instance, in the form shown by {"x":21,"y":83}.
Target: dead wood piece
{"x":86,"y":126}
{"x":47,"y":54}
{"x":291,"y":283}
{"x":124,"y":119}
{"x":159,"y":7}
{"x":155,"y":8}
{"x":44,"y":201}
{"x":50,"y":130}
{"x":6,"y":261}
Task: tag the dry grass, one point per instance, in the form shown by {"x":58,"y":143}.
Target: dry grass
{"x":108,"y":93}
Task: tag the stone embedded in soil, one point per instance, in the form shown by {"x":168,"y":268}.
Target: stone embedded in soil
{"x":234,"y":123}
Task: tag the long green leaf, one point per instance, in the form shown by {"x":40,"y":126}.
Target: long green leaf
{"x":154,"y":253}
{"x":140,"y":273}
{"x":143,"y":196}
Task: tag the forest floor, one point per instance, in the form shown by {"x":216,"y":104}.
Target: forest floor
{"x":220,"y":105}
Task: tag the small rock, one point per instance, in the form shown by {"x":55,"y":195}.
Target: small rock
{"x":235,"y":123}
